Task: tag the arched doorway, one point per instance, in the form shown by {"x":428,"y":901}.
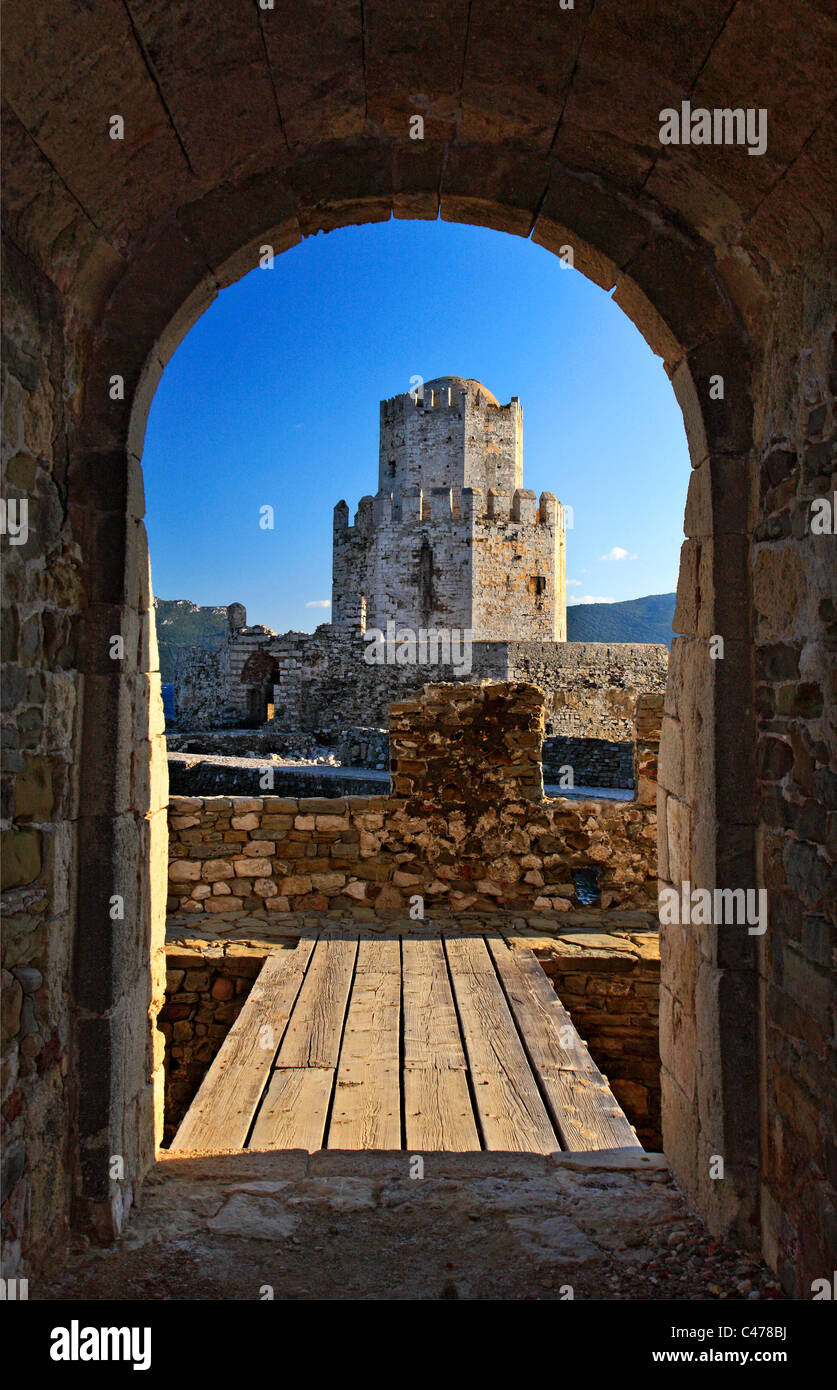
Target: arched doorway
{"x":260,"y":676}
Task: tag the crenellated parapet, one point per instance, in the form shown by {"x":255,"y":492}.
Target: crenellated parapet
{"x":417,"y":505}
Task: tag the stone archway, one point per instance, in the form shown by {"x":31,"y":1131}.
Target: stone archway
{"x":722,"y":261}
{"x":259,"y":675}
{"x":709,"y":748}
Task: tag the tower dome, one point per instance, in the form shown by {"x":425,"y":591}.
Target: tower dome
{"x":459,"y":385}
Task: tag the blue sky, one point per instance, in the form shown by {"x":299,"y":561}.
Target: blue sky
{"x":272,"y":399}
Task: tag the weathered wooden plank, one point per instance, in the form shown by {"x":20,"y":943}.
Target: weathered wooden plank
{"x":312,"y":1037}
{"x":586,"y":1112}
{"x":293,"y":1112}
{"x":223,"y":1109}
{"x":511,"y":1112}
{"x":367,"y":1099}
{"x":438,"y":1110}
{"x":583,"y":1109}
{"x":548,"y":1033}
{"x":431,"y":1028}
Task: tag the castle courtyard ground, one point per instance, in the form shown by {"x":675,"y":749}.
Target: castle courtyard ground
{"x":340,"y":1226}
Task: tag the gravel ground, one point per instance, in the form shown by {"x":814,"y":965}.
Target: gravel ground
{"x":511,"y":1228}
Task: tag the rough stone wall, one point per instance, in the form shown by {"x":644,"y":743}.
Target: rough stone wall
{"x":41,"y":691}
{"x":323,"y":681}
{"x":591,"y":687}
{"x":203,"y":686}
{"x":467,"y":826}
{"x":70,"y":834}
{"x":595,"y":762}
{"x":519,"y":583}
{"x":749,"y":1018}
{"x":795,"y":599}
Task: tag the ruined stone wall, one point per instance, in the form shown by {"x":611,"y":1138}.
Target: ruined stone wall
{"x":467,"y":826}
{"x":591,"y":687}
{"x":203,"y":688}
{"x":324,"y":682}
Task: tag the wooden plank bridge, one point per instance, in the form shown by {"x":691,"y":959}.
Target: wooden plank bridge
{"x":447,"y":1043}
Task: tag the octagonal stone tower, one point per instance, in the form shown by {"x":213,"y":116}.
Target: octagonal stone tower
{"x":452,"y":539}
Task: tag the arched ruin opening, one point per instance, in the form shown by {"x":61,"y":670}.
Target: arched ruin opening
{"x":260,"y":676}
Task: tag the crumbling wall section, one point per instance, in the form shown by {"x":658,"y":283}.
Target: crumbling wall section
{"x":467,"y":826}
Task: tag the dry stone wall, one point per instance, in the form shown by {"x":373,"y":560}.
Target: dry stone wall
{"x":467,"y":825}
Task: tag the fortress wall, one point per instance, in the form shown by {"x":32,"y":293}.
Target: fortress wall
{"x":487,"y":560}
{"x":591,"y":687}
{"x":514,"y":588}
{"x":323,"y":681}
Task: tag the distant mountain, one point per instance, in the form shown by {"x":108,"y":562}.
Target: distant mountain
{"x":181,"y":623}
{"x":636,"y":620}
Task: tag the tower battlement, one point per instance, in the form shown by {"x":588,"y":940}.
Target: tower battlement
{"x":441,"y":504}
{"x":452,"y":538}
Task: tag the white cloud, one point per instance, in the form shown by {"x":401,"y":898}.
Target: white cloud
{"x":318,"y":603}
{"x":617,"y":553}
{"x":573,"y":583}
{"x":590,"y":598}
